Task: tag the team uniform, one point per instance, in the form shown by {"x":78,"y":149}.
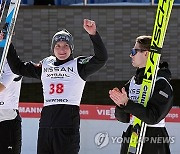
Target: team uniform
{"x":10,"y":120}
{"x":153,"y":115}
{"x":63,"y":83}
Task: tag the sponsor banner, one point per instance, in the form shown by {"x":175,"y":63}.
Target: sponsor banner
{"x":173,"y":115}
{"x":92,"y":112}
{"x":97,"y":112}
{"x":30,"y":110}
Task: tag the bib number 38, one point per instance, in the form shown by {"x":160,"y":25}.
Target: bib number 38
{"x":56,"y":88}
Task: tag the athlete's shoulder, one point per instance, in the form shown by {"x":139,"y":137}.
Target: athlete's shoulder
{"x":49,"y":59}
{"x":164,"y":71}
{"x":163,"y":76}
{"x":83,"y":59}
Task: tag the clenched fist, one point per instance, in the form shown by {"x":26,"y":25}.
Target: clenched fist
{"x":90,"y":26}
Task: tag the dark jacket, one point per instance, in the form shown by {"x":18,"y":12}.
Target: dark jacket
{"x":157,"y":107}
{"x":61,"y":115}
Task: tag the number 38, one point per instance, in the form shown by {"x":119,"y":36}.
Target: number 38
{"x":56,"y":88}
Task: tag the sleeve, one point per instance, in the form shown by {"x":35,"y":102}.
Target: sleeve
{"x":90,"y":65}
{"x":7,"y":76}
{"x":19,"y":67}
{"x":120,"y":114}
{"x":157,"y":107}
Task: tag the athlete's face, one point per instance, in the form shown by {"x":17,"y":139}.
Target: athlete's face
{"x":62,"y":50}
{"x":139,"y":57}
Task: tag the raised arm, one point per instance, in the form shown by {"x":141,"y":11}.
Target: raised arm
{"x":90,"y":65}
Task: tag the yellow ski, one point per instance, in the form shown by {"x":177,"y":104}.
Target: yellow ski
{"x":147,"y":87}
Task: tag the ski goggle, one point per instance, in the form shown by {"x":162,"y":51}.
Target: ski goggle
{"x":134,"y":51}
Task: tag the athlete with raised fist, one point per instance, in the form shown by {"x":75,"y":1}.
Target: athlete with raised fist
{"x":63,"y":78}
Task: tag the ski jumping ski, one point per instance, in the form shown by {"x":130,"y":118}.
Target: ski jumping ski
{"x":147,"y":87}
{"x":3,"y":4}
{"x":8,"y":29}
